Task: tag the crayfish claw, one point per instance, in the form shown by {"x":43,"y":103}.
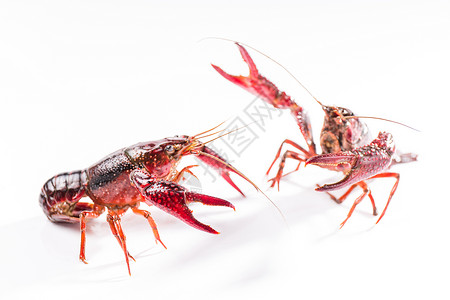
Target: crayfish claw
{"x":173,"y":198}
{"x":226,"y":176}
{"x":358,"y":164}
{"x":341,"y":161}
{"x":207,"y":200}
{"x":241,"y":81}
{"x":251,"y":65}
{"x":245,"y":82}
{"x":214,"y":160}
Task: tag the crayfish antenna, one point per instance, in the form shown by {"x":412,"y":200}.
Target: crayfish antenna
{"x":382,"y":119}
{"x":198,"y":135}
{"x":227,"y":133}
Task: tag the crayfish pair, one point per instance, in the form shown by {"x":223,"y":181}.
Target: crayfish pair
{"x":147,"y":172}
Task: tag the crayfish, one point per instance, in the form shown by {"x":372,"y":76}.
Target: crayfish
{"x":145,"y":172}
{"x":344,"y":139}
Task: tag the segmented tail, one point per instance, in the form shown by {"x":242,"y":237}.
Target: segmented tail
{"x":60,"y":197}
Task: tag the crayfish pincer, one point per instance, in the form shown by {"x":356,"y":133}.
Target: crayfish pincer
{"x":145,"y":172}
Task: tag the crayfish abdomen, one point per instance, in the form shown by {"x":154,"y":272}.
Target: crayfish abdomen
{"x":60,"y":195}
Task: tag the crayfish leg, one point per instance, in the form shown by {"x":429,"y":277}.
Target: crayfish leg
{"x":180,"y":175}
{"x":286,"y":155}
{"x":366,"y":191}
{"x":116,"y":229}
{"x":150,"y":220}
{"x":341,"y":199}
{"x":292,"y":143}
{"x":357,"y":201}
{"x":394,"y":188}
{"x":95,"y":213}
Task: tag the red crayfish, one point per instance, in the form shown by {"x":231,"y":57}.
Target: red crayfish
{"x":344,"y":139}
{"x":145,"y":172}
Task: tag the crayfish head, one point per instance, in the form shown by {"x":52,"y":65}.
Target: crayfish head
{"x":190,"y":145}
{"x":161,"y":157}
{"x":340,"y":131}
{"x":336,"y":114}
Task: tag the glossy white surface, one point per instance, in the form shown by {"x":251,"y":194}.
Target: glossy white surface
{"x":79,"y":80}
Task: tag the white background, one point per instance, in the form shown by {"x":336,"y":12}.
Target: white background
{"x":80,"y":79}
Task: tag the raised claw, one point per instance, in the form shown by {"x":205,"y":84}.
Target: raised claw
{"x":262,"y":87}
{"x":173,"y":198}
{"x":243,"y":81}
{"x":257,"y":84}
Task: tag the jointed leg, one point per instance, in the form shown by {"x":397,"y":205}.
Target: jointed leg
{"x":279,"y":152}
{"x":394,"y":188}
{"x":367,"y":191}
{"x":150,"y":220}
{"x":114,"y":223}
{"x":95,"y":213}
{"x":344,"y":196}
{"x":180,"y":175}
{"x":364,"y":186}
{"x":286,"y":155}
{"x":357,"y":201}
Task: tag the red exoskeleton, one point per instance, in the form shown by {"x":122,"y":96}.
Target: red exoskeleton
{"x":344,"y":139}
{"x":145,"y":172}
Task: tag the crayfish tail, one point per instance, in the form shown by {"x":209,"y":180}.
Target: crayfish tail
{"x":60,"y":196}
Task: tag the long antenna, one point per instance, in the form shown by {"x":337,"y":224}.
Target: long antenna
{"x":382,"y":119}
{"x":208,"y":130}
{"x":231,"y":131}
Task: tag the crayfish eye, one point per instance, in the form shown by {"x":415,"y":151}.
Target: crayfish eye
{"x":169,"y":149}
